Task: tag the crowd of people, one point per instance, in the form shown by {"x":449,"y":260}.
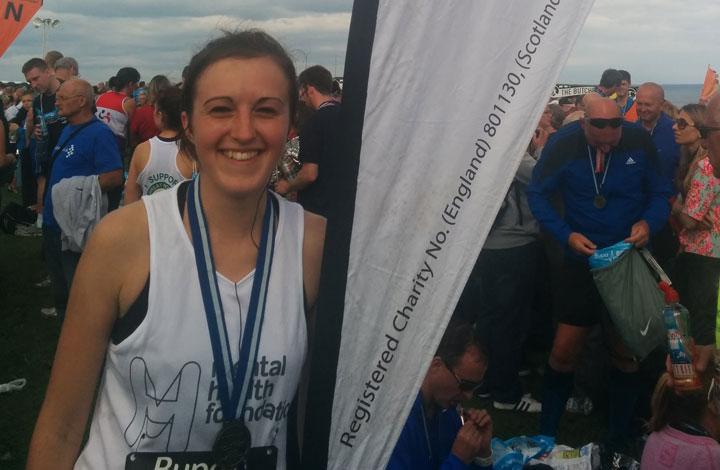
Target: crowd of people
{"x":606,"y":169}
{"x":201,"y":244}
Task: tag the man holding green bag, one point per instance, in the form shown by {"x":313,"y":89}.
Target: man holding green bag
{"x":609,"y":178}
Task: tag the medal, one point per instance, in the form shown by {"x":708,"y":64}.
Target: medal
{"x":234,"y":386}
{"x":232,"y":444}
{"x":599,"y":200}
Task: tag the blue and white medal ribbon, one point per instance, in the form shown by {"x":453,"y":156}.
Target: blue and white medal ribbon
{"x":232,"y":400}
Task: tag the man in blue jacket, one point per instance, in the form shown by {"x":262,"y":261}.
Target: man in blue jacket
{"x":610,"y":180}
{"x":650,"y":100}
{"x":434,"y":436}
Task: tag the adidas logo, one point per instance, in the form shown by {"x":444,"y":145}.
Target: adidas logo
{"x":630,"y":161}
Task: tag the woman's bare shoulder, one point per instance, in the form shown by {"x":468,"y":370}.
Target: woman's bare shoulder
{"x":123,"y":227}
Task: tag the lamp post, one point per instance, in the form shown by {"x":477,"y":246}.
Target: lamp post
{"x":304,"y":54}
{"x":45,"y":23}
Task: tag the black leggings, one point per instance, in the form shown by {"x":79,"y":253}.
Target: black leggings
{"x":696,"y":279}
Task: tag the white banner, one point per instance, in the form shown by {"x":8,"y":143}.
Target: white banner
{"x":455,"y":90}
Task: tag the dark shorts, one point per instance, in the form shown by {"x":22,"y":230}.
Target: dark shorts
{"x":579,"y":299}
{"x":696,"y":279}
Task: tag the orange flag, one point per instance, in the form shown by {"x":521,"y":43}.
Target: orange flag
{"x":14,"y":15}
{"x":709,"y":86}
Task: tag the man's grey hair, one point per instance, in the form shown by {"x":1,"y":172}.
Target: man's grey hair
{"x":68,"y":63}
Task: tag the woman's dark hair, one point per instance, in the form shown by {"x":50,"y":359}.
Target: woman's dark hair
{"x":157,"y":84}
{"x":169,"y":103}
{"x":246,"y":44}
{"x":671,"y":407}
{"x":698,"y":114}
{"x":124,"y":76}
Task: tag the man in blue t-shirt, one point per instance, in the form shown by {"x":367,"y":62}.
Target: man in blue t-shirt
{"x":86,"y":147}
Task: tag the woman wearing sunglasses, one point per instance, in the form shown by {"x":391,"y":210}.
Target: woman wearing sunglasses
{"x":690,"y":118}
{"x":697,"y":211}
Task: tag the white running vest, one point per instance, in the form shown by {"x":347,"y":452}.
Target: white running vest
{"x":161,"y":171}
{"x":158,"y":391}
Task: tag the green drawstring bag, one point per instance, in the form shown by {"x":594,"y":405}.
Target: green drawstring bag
{"x":629,"y":289}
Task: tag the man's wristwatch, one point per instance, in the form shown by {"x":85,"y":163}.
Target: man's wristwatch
{"x":483,"y":461}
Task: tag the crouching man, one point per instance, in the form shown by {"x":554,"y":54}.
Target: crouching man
{"x":435,"y":436}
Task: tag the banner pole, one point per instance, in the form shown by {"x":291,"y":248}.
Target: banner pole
{"x":344,"y":168}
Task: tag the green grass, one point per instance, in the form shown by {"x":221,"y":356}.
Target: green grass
{"x":28,"y":341}
{"x":575,"y":430}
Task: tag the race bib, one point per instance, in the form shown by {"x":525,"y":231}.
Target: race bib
{"x":258,"y":458}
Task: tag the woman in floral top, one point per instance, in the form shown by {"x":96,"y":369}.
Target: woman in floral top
{"x":698,"y":211}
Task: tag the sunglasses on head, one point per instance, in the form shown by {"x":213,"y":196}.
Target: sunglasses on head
{"x":463,"y":385}
{"x":682,"y":124}
{"x":705,"y":131}
{"x":602,"y":123}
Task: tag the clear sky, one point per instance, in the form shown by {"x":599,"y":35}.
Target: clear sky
{"x":660,"y":40}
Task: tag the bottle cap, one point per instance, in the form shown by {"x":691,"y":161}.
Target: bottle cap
{"x":671,"y":295}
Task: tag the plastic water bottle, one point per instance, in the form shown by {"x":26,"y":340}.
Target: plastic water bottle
{"x":41,"y":144}
{"x":679,"y":343}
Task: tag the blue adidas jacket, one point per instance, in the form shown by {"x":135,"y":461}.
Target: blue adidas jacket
{"x":635,"y":187}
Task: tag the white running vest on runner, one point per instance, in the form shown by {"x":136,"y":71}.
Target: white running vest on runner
{"x":159,"y":392}
{"x":161,"y":171}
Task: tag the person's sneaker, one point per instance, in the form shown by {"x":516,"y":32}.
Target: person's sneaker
{"x":579,"y":405}
{"x":482,"y":394}
{"x":526,"y":404}
{"x":44,"y":283}
{"x":49,"y":312}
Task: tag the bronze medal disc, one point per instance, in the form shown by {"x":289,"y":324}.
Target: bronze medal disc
{"x":599,"y":201}
{"x":232,"y":445}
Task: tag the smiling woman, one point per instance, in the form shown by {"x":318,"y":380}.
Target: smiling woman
{"x":206,"y":289}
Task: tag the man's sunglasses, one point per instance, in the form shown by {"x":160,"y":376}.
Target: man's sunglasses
{"x":463,"y":385}
{"x":706,"y":130}
{"x":602,"y":123}
{"x":682,"y":124}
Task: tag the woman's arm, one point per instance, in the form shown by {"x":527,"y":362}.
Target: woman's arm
{"x":313,"y":243}
{"x":697,"y":203}
{"x":97,"y":297}
{"x":139,"y":160}
{"x":685,"y":220}
{"x":5,"y":159}
{"x":129,"y":107}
